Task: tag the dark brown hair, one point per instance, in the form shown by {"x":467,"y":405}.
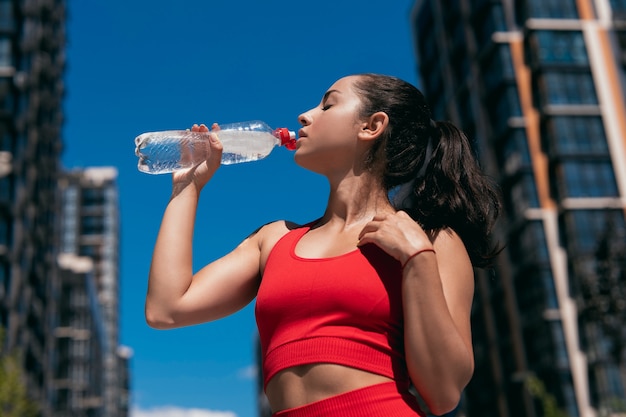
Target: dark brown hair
{"x":446,"y":187}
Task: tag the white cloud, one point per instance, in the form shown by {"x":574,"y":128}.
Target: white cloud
{"x":250,"y":372}
{"x":170,"y":411}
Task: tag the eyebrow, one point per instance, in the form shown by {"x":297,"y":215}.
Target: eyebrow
{"x":328,"y":93}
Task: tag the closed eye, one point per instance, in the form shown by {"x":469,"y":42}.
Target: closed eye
{"x":325,"y":105}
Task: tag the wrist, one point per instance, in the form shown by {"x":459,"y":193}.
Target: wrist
{"x":415,"y":254}
{"x":185,"y":186}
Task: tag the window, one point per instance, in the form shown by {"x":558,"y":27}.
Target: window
{"x":552,"y":9}
{"x":88,"y":250}
{"x":615,"y":387}
{"x":5,"y":282}
{"x":92,"y":225}
{"x":558,"y":338}
{"x":6,"y":15}
{"x":561,"y":88}
{"x":577,"y":135}
{"x":579,"y":178}
{"x":618,"y":7}
{"x":530,"y":245}
{"x":562,"y":47}
{"x":523,"y":195}
{"x":6,"y":140}
{"x":547,"y":280}
{"x":535,"y":292}
{"x":498,"y":67}
{"x":533,"y":240}
{"x":6,"y":190}
{"x":92,"y":197}
{"x":503,"y":107}
{"x":6,"y":59}
{"x":569,"y":396}
{"x":490,"y":20}
{"x":584,"y":228}
{"x":6,"y":94}
{"x":514,"y":155}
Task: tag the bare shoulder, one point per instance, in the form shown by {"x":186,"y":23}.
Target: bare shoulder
{"x":447,"y":240}
{"x":452,"y":255}
{"x":270,"y":233}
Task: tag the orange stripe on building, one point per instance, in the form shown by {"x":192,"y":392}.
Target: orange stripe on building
{"x":533,"y":133}
{"x":616,"y":99}
{"x":585,"y":9}
{"x":610,"y":71}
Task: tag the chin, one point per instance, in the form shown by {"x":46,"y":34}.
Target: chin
{"x":305,"y":161}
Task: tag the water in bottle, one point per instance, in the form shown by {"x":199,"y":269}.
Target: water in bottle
{"x":172,"y":150}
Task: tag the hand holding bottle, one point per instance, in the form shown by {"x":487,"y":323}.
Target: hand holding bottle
{"x":201,"y":173}
{"x":173,"y":150}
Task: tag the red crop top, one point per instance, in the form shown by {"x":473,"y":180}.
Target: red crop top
{"x":344,"y":310}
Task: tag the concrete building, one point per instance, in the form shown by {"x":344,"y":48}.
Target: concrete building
{"x":32,"y":61}
{"x":81,"y":341}
{"x":90,"y":228}
{"x":59,"y":294}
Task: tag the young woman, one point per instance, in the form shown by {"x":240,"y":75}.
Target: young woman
{"x":373,"y":296}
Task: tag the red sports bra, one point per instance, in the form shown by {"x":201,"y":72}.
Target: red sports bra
{"x":344,"y":310}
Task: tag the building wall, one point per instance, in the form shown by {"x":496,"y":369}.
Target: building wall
{"x":38,"y":295}
{"x":32,"y":41}
{"x":90,"y":228}
{"x":539,"y":85}
{"x":81,"y":341}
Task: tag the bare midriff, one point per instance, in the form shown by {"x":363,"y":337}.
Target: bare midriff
{"x":305,"y":384}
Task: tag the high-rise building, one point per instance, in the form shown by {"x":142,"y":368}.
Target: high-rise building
{"x":32,"y":61}
{"x":58,"y":305}
{"x":540,"y":86}
{"x":124,"y":355}
{"x":81,"y":341}
{"x":90,"y":228}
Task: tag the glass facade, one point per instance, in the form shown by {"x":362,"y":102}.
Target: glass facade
{"x":559,"y":47}
{"x":80,"y":341}
{"x":90,"y":228}
{"x":526,"y":88}
{"x":49,"y":312}
{"x":30,"y":144}
{"x":545,"y":9}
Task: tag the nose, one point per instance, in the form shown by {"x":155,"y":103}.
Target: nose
{"x":304,"y":119}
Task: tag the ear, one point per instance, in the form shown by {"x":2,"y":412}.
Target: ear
{"x":374,"y":126}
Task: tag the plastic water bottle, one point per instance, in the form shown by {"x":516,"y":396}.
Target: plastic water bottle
{"x":172,"y":150}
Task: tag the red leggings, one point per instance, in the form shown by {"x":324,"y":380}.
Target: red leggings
{"x":380,"y":400}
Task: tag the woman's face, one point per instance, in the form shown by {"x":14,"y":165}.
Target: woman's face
{"x":328,"y":137}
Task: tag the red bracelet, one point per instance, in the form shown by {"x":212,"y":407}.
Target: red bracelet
{"x":417,"y":253}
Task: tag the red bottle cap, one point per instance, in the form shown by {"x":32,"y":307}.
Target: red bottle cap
{"x":287,"y":138}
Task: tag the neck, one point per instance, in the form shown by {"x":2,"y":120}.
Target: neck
{"x":355,"y":200}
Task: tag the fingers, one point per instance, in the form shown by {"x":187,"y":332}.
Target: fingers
{"x":215,"y":141}
{"x":393,"y":232}
{"x":370,"y":227}
{"x":199,"y":128}
{"x":377,"y":222}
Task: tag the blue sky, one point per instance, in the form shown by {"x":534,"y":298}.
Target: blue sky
{"x":144,"y":65}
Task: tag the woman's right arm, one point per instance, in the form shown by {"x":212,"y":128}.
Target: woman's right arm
{"x":176,"y":297}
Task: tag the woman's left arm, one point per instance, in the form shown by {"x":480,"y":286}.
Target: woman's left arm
{"x":437,"y":294}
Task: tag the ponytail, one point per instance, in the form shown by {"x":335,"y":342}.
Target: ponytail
{"x":430,"y":166}
{"x":454,"y":193}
